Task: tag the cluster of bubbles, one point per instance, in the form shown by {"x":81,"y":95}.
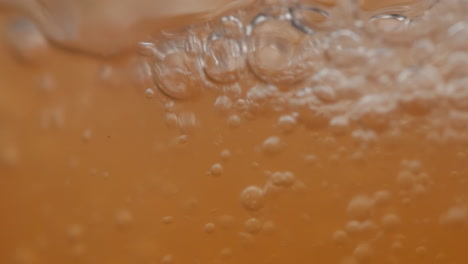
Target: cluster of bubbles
{"x":336,"y":66}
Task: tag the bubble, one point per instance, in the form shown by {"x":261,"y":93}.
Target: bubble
{"x":167,"y":259}
{"x":78,"y":249}
{"x":363,"y":251}
{"x":353,"y":227}
{"x":283,"y":179}
{"x":286,"y":123}
{"x":149,"y":93}
{"x":340,"y":237}
{"x":177,"y":75}
{"x":406,"y":179}
{"x":382,"y":197}
{"x":234,"y":121}
{"x":86,"y":134}
{"x":225,"y":221}
{"x":209,"y":228}
{"x":421,"y":251}
{"x":226,"y":253}
{"x":123,"y":217}
{"x":390,"y":221}
{"x":9,"y":155}
{"x":360,"y":207}
{"x":252,"y":198}
{"x":216,"y":170}
{"x":253,"y":225}
{"x":272,"y":145}
{"x":279,"y":53}
{"x":223,"y":104}
{"x":26,"y":40}
{"x":224,"y":56}
{"x":455,"y":216}
{"x":308,"y":19}
{"x":269,"y":227}
{"x":225,"y":154}
{"x":421,"y":51}
{"x":167,"y":220}
{"x":75,"y":231}
{"x":345,"y":48}
{"x":325,"y":93}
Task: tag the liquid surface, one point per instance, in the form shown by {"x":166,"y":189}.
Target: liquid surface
{"x":269,"y":135}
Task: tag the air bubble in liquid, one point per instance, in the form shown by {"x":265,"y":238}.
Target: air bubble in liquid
{"x":346,"y":48}
{"x":390,"y":221}
{"x":308,"y":19}
{"x":283,"y":179}
{"x":363,"y":251}
{"x":26,"y":40}
{"x":286,"y":123}
{"x":224,"y":55}
{"x":455,"y":216}
{"x":149,"y":93}
{"x":253,"y":225}
{"x":272,"y":145}
{"x":360,"y":207}
{"x":216,"y":170}
{"x":209,"y":228}
{"x":281,"y":54}
{"x":340,"y":237}
{"x":252,"y":198}
{"x":177,"y":72}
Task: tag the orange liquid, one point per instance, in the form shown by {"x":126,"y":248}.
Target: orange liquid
{"x":93,"y":171}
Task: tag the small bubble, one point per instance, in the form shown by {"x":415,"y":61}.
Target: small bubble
{"x":234,"y":121}
{"x":252,"y":198}
{"x":75,"y":232}
{"x":9,"y":156}
{"x":167,"y":259}
{"x":406,"y":179}
{"x":123,"y":217}
{"x":216,"y":170}
{"x":382,"y":197}
{"x":363,"y":251}
{"x":149,"y":93}
{"x":390,"y":221}
{"x":345,"y":48}
{"x":225,"y":154}
{"x":340,"y":237}
{"x":223,"y":104}
{"x":209,"y":228}
{"x":455,"y":216}
{"x":225,"y":221}
{"x":78,"y":249}
{"x":272,"y":145}
{"x":360,"y":207}
{"x":421,"y":251}
{"x":167,"y":220}
{"x":286,"y":123}
{"x":26,"y":40}
{"x":253,"y":225}
{"x":353,"y":227}
{"x":283,"y":179}
{"x":86,"y":134}
{"x":226,"y":253}
{"x":269,"y":227}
